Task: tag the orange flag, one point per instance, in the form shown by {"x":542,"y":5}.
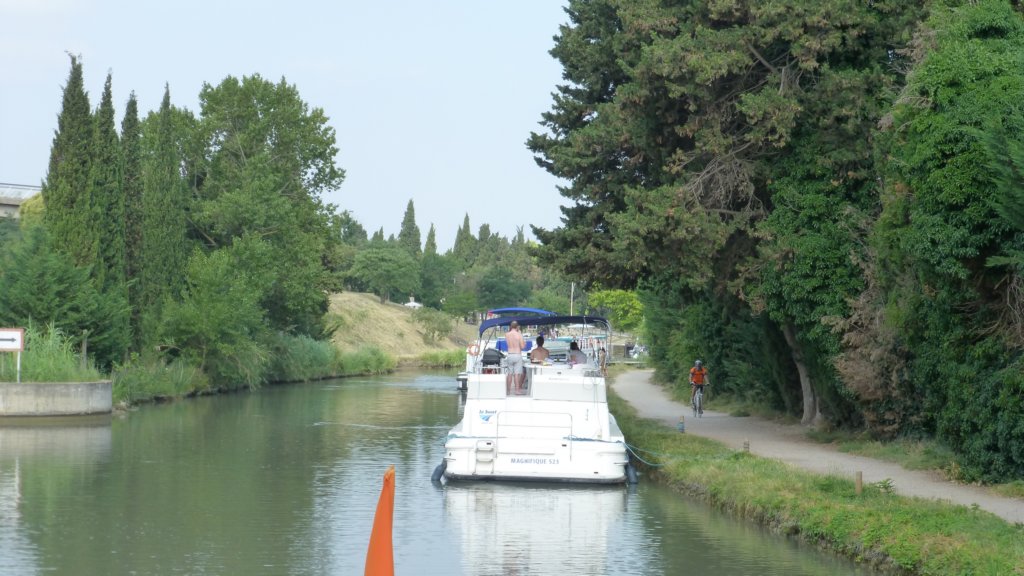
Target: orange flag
{"x":380,"y":558}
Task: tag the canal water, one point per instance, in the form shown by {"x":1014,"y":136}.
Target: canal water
{"x":286,"y":481}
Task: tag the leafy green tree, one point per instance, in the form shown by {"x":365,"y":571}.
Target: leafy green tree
{"x":550,"y":298}
{"x":461,"y":303}
{"x":943,"y":221}
{"x":269,"y":158}
{"x":219,"y":325}
{"x":625,"y":311}
{"x":436,"y":324}
{"x":344,"y":241}
{"x":409,"y":235}
{"x":497,"y":289}
{"x":69,"y":209}
{"x":349,"y":230}
{"x":386,"y":270}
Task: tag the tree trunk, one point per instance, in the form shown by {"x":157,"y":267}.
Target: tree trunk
{"x":812,"y":415}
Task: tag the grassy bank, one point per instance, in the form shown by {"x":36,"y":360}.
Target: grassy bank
{"x":49,"y":356}
{"x":293,"y":359}
{"x":898,"y":534}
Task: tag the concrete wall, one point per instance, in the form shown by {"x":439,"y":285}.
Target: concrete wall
{"x":55,"y":398}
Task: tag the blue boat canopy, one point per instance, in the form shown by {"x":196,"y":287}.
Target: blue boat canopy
{"x":521,"y":311}
{"x":544,"y":321}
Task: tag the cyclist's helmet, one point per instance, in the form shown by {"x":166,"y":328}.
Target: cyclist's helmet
{"x":697,"y":363}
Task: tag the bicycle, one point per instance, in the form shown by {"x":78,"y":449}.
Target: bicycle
{"x":698,"y":402}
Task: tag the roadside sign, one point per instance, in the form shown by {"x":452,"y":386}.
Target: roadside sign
{"x":12,"y":339}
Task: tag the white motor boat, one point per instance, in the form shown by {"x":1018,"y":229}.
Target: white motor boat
{"x":552,"y":425}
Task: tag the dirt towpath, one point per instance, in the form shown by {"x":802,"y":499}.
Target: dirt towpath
{"x":788,"y":444}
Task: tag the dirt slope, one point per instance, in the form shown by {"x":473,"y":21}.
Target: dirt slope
{"x":390,"y":327}
{"x":788,"y":444}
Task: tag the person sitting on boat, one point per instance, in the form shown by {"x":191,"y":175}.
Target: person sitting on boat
{"x":576,"y":356}
{"x":539,"y":354}
{"x":515,"y":342}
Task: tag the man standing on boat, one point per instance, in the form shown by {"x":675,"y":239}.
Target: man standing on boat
{"x":516,"y":343}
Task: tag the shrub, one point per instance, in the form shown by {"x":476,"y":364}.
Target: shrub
{"x":367,"y":360}
{"x":301,"y":358}
{"x":435,"y":323}
{"x":219,"y":325}
{"x":149,"y":378}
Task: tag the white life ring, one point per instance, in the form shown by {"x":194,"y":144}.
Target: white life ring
{"x":473,"y":349}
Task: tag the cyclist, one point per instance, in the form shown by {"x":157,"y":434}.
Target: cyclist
{"x":698,"y":377}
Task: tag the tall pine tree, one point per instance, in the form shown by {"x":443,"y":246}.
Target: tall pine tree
{"x":131,"y":186}
{"x":409,"y":235}
{"x":107,"y":195}
{"x":66,"y":188}
{"x":464,"y":249}
{"x":164,"y":195}
{"x":435,"y":273}
{"x":430,"y":247}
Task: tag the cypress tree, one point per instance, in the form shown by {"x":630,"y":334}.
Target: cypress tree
{"x":464,"y":249}
{"x":430,"y":248}
{"x":435,"y":273}
{"x":131,"y":186}
{"x":484,"y":233}
{"x":107,"y":197}
{"x":164,"y":250}
{"x":66,"y":188}
{"x":409,"y":235}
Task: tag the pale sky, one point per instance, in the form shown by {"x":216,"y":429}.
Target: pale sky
{"x":431,"y":101}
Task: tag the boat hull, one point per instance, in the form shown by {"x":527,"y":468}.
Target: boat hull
{"x":539,"y":460}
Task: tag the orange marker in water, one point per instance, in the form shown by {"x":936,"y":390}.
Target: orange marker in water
{"x":380,"y":558}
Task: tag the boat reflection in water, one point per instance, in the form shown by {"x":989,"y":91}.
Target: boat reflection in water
{"x":528,"y":528}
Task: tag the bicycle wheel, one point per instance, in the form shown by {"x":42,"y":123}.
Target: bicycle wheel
{"x":698,"y":405}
